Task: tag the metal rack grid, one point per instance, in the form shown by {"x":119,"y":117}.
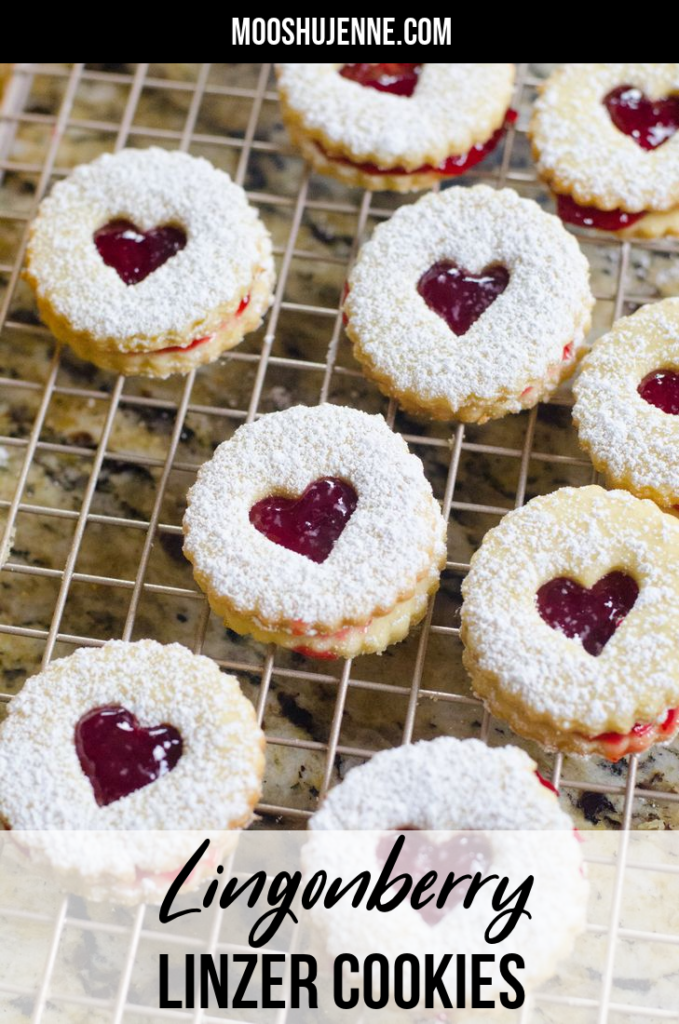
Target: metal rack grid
{"x":365,"y":208}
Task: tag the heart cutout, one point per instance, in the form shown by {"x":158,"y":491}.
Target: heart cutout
{"x":135,"y":254}
{"x":661,"y":388}
{"x":591,"y":615}
{"x":311,"y":524}
{"x":649,"y":122}
{"x":397,"y":79}
{"x":119,"y":756}
{"x":458,"y":296}
{"x":465,"y":853}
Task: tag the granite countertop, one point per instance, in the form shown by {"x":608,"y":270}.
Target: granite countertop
{"x":295,"y":708}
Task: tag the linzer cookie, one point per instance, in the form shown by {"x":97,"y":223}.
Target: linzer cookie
{"x":469,"y":304}
{"x":627,"y":404}
{"x":569,"y":622}
{"x":316,"y":529}
{"x":461,"y":807}
{"x":605,"y":140}
{"x":398,"y":127}
{"x":149,"y":262}
{"x":440,"y":785}
{"x":116,"y":742}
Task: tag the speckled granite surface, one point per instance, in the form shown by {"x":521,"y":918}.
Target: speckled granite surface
{"x":295,"y":708}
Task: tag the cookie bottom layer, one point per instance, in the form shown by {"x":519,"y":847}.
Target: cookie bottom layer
{"x":177,"y":358}
{"x":476,"y":410}
{"x":372,"y":638}
{"x":661,"y":224}
{"x":612,"y":746}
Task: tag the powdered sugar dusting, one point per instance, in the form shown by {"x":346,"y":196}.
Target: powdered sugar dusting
{"x":226,"y":245}
{"x":393,"y":538}
{"x":580,"y":150}
{"x":519,"y":338}
{"x":443,"y":784}
{"x":582,"y":533}
{"x":453,"y":107}
{"x":214,"y":785}
{"x":632,"y":441}
{"x":451,"y":784}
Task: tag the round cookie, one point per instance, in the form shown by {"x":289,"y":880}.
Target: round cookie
{"x":149,"y":262}
{"x":443,"y":786}
{"x":120,"y":743}
{"x":397,"y":127}
{"x":605,"y":140}
{"x":316,"y":529}
{"x":568,"y":622}
{"x":627,"y":404}
{"x":469,"y":304}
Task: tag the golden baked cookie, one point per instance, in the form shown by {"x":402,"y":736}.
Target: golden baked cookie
{"x":149,"y":262}
{"x":569,"y":622}
{"x":605,"y":140}
{"x":461,"y":807}
{"x":397,"y":127}
{"x":440,"y":785}
{"x":627,"y":404}
{"x":469,"y":304}
{"x":316,"y":529}
{"x":116,"y":761}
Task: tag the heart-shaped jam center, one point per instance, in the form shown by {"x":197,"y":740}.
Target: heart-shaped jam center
{"x":661,"y":388}
{"x":398,"y":79}
{"x":592,"y":615}
{"x":458,"y":296}
{"x":135,"y":254}
{"x":119,"y":756}
{"x":649,"y":122}
{"x":464,"y":854}
{"x":311,"y":524}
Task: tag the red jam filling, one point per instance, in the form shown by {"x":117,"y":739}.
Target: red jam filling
{"x":135,"y":254}
{"x":197,"y":341}
{"x":451,"y":167}
{"x":179,"y":348}
{"x":649,"y":122}
{"x":591,"y":615}
{"x":309,"y":652}
{"x":463,"y":854}
{"x":398,"y":79}
{"x":119,"y":756}
{"x":642,"y":730}
{"x":311,"y":524}
{"x":458,"y":296}
{"x":590,"y":217}
{"x":302,"y":628}
{"x":661,"y":388}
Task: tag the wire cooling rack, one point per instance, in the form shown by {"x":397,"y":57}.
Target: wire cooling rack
{"x":332,"y":371}
{"x":403,"y":687}
{"x":67,"y":445}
